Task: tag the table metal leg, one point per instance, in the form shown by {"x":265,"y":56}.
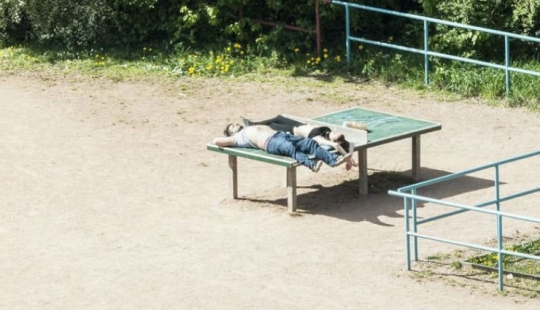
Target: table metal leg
{"x":233,"y":174}
{"x":363,"y":174}
{"x":416,"y":158}
{"x":291,"y":189}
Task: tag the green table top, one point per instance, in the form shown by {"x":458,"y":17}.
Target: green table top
{"x":255,"y":154}
{"x":383,"y":127}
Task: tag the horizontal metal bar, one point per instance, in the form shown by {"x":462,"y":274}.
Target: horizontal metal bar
{"x":444,"y":215}
{"x":481,"y":205}
{"x":445,"y":56}
{"x":483,"y":63}
{"x":474,"y":246}
{"x":442,"y":55}
{"x":290,"y":27}
{"x":465,"y":172}
{"x":470,"y":245}
{"x":438,"y":21}
{"x":459,"y":205}
{"x":395,"y":46}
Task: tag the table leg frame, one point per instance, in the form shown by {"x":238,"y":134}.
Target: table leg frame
{"x":233,"y":175}
{"x":291,"y":189}
{"x":416,"y":158}
{"x":291,"y":183}
{"x":362,"y":172}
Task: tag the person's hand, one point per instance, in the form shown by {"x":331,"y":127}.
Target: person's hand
{"x":350,"y":163}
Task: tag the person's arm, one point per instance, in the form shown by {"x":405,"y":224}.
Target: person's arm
{"x":322,"y":141}
{"x":224,"y":141}
{"x":350,"y":162}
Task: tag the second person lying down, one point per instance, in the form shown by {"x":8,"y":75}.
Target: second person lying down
{"x":323,"y":135}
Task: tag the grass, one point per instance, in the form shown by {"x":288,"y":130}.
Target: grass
{"x":234,"y":60}
{"x":230,"y":61}
{"x":477,"y":271}
{"x":512,"y":264}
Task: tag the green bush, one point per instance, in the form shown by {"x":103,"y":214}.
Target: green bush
{"x":187,"y":23}
{"x":515,"y":16}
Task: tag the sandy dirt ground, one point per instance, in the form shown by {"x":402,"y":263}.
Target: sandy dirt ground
{"x":110,"y":200}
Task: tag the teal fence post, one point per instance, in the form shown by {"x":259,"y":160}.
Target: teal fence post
{"x":407,"y":237}
{"x":347,"y":33}
{"x":410,"y":198}
{"x":507,"y":64}
{"x":426,"y":51}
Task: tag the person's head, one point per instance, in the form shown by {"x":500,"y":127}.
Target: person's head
{"x":232,"y":128}
{"x":335,"y":136}
{"x":338,"y":137}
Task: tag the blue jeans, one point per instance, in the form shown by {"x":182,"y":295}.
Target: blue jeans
{"x":299,"y":148}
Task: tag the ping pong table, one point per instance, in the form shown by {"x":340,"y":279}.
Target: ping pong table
{"x":383,"y":128}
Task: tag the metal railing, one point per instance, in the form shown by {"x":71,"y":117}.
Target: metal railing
{"x":410,"y":199}
{"x":427,"y":52}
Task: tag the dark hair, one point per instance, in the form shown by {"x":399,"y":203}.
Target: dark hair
{"x":345,"y":145}
{"x":340,"y":140}
{"x":326,"y":134}
{"x":226,"y":132}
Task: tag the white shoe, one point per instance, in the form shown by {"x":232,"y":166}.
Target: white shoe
{"x":317,"y":166}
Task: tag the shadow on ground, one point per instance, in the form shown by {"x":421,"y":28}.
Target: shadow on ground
{"x":344,"y":202}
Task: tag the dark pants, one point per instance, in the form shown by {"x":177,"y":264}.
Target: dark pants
{"x":280,"y":123}
{"x":299,"y":148}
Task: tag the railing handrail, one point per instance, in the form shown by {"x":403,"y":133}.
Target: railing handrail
{"x":410,"y":199}
{"x":468,"y":171}
{"x":427,"y":53}
{"x":463,"y":206}
{"x":436,"y":20}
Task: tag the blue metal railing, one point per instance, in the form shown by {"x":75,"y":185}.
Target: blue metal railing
{"x":410,"y":197}
{"x":427,"y":52}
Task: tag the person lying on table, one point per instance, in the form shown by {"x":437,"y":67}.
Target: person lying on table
{"x":323,"y":135}
{"x":279,"y":143}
